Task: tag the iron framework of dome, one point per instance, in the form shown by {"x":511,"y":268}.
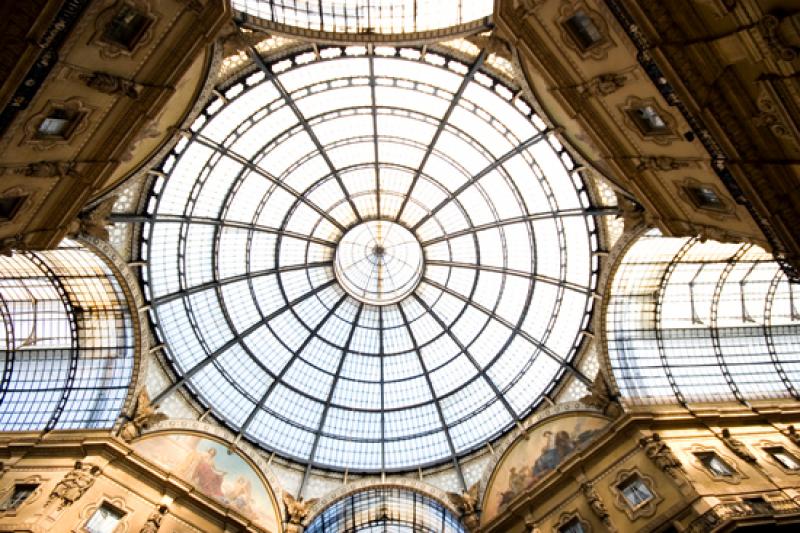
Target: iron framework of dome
{"x":365,"y":17}
{"x":369,"y":261}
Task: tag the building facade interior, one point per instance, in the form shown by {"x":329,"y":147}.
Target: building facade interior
{"x":425,"y":266}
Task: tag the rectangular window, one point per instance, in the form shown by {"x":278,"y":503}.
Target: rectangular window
{"x":705,"y":197}
{"x":104,"y":520}
{"x":787,"y":460}
{"x":59,"y":124}
{"x":573,"y":526}
{"x":9,"y":206}
{"x":583,"y":30}
{"x":635,"y":491}
{"x":715,"y":464}
{"x":648,"y":120}
{"x":127,"y":27}
{"x":18,"y":496}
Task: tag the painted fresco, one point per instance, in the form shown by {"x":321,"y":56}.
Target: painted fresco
{"x":219,"y":474}
{"x":529,"y":460}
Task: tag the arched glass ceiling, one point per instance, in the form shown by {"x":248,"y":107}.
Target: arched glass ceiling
{"x":383,"y":510}
{"x":68,"y":343}
{"x":247,"y":227}
{"x":702,"y":322}
{"x":367,"y":16}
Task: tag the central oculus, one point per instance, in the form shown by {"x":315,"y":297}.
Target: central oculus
{"x":378,"y":262}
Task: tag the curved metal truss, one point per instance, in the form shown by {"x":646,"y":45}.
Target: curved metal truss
{"x":699,"y":322}
{"x":367,"y":17}
{"x":68,"y":350}
{"x":243,"y":227}
{"x":386,"y":509}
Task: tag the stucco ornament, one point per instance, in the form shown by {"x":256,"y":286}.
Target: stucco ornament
{"x":74,"y":485}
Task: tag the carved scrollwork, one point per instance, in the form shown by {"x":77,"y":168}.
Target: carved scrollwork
{"x":770,"y":29}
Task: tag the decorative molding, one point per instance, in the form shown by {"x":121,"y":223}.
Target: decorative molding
{"x":116,"y":502}
{"x":770,"y":30}
{"x":765,"y":445}
{"x":73,"y":104}
{"x":734,"y":479}
{"x":112,"y":51}
{"x":643,"y":510}
{"x":8,"y":490}
{"x":726,"y":212}
{"x":566,"y":517}
{"x":18,"y":191}
{"x":773,"y":115}
{"x":599,"y":50}
{"x":665,"y":138}
{"x":662,"y":163}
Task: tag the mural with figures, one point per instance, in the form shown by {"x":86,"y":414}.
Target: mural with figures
{"x":216,"y":472}
{"x":528,"y":460}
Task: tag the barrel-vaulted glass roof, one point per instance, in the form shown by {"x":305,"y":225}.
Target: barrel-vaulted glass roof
{"x":702,"y":321}
{"x":369,"y":261}
{"x":367,"y":16}
{"x":386,"y":509}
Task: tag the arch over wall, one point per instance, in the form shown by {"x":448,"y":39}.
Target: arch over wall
{"x":218,"y":471}
{"x":701,"y":321}
{"x":68,"y":344}
{"x":536,"y":453}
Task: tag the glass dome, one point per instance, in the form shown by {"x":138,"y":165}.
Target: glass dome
{"x":369,"y":262}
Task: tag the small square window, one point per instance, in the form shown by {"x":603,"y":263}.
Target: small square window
{"x":786,"y":460}
{"x":573,"y":526}
{"x":21,"y":493}
{"x":715,"y":464}
{"x":126,"y":27}
{"x":104,"y":520}
{"x":705,"y":197}
{"x":648,"y":120}
{"x":583,"y":30}
{"x":60,"y":124}
{"x":635,"y":491}
{"x":10,"y":206}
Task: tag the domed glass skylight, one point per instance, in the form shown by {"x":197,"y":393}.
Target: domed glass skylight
{"x":369,"y":262}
